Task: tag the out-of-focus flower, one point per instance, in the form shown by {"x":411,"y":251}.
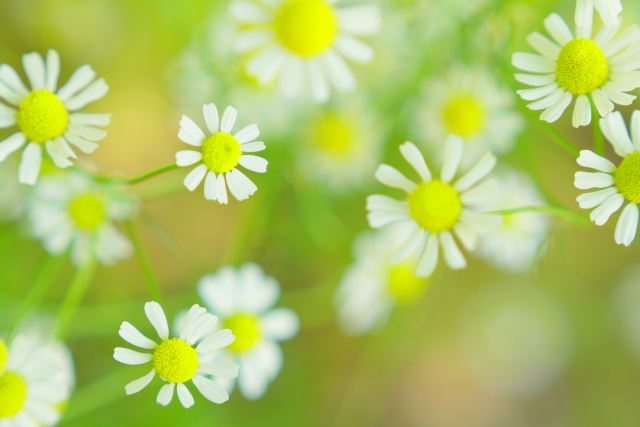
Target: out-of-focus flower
{"x":35,"y":383}
{"x":608,"y":9}
{"x":304,"y":41}
{"x":625,"y":303}
{"x":243,"y":299}
{"x":436,"y":207}
{"x":619,"y":184}
{"x":220,"y":154}
{"x":13,"y":196}
{"x":175,"y":360}
{"x":603,"y":69}
{"x":470,"y":103}
{"x":370,"y":288}
{"x":514,"y":245}
{"x":47,"y":116}
{"x":72,"y":211}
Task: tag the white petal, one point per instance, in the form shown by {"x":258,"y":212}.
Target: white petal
{"x":90,"y":119}
{"x":292,"y":77}
{"x":29,"y":169}
{"x":247,"y":134}
{"x":338,"y":72}
{"x":201,"y":326}
{"x":184,"y":395}
{"x":467,"y":234}
{"x":249,"y":187}
{"x":615,"y":130}
{"x":280,"y":324}
{"x":591,"y":160}
{"x":253,"y":163}
{"x":52,"y":70}
{"x":13,"y":82}
{"x":452,"y":255}
{"x":601,"y":214}
{"x":210,"y":186}
{"x":131,"y":357}
{"x":57,"y":153}
{"x":535,"y":79}
{"x":252,"y":39}
{"x":581,"y":112}
{"x":166,"y":394}
{"x":554,"y":112}
{"x":538,"y":92}
{"x":391,"y":177}
{"x":220,"y":369}
{"x":587,"y":180}
{"x":91,"y":93}
{"x":188,"y":157}
{"x":482,"y":222}
{"x":135,"y":386}
{"x":210,"y":113}
{"x":627,"y":225}
{"x":379,"y":219}
{"x":83,"y":144}
{"x":415,"y":158}
{"x":221,"y":190}
{"x":533,"y":63}
{"x":253,"y":147}
{"x":363,"y":20}
{"x":484,"y":166}
{"x":595,"y":198}
{"x":558,"y":28}
{"x":210,"y":389}
{"x":377,"y":202}
{"x":543,"y":45}
{"x":228,"y":119}
{"x":129,"y":333}
{"x":156,"y":316}
{"x":429,"y":258}
{"x":79,"y":79}
{"x":484,"y":193}
{"x":249,"y":12}
{"x":34,"y":68}
{"x":190,"y":132}
{"x":635,"y":129}
{"x":195,"y":177}
{"x":8,"y":116}
{"x":547,"y":101}
{"x":317,"y":81}
{"x":236,"y":189}
{"x":194,"y":313}
{"x":216,"y":341}
{"x":452,"y":156}
{"x":354,"y":49}
{"x":408,"y":247}
{"x":11,"y":145}
{"x":603,"y":104}
{"x":584,"y":12}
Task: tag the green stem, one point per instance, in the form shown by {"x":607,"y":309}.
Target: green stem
{"x":75,"y":295}
{"x":562,"y":213}
{"x":143,"y":260}
{"x":134,"y":180}
{"x":560,"y":138}
{"x":38,"y":290}
{"x":598,"y":140}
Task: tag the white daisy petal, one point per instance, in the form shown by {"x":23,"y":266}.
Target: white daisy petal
{"x":484,"y":193}
{"x":83,"y":144}
{"x":363,"y":20}
{"x":429,"y":258}
{"x":452,"y":255}
{"x":228,"y":119}
{"x":12,"y":81}
{"x":9,"y":95}
{"x":90,"y":119}
{"x":318,"y":82}
{"x":252,"y":39}
{"x":292,"y":77}
{"x":185,"y":397}
{"x":452,"y":156}
{"x":377,"y":202}
{"x":247,"y":134}
{"x":533,"y":63}
{"x":194,"y":313}
{"x":216,"y":341}
{"x":414,"y":157}
{"x":539,"y":92}
{"x":34,"y":68}
{"x":391,"y":177}
{"x":543,"y":45}
{"x":188,"y":157}
{"x":236,"y":189}
{"x":52,"y":70}
{"x":635,"y":129}
{"x":468,"y":235}
{"x":380,"y":219}
{"x":29,"y":169}
{"x":57,"y":153}
{"x":249,"y":12}
{"x":253,"y":147}
{"x":195,"y":177}
{"x":91,"y":93}
{"x":249,"y":187}
{"x":129,"y":333}
{"x":220,"y":369}
{"x":190,"y":132}
{"x":591,"y":160}
{"x":210,"y":113}
{"x":481,"y":222}
{"x":354,"y":49}
{"x":601,"y":214}
{"x":581,"y":112}
{"x":554,"y":112}
{"x":200,"y":327}
{"x":627,"y":225}
{"x":135,"y":386}
{"x":165,"y":396}
{"x":548,"y":100}
{"x":221,"y":190}
{"x":584,"y":12}
{"x":210,"y":186}
{"x":408,"y":247}
{"x":558,"y":28}
{"x":253,"y":163}
{"x":484,"y":166}
{"x":210,"y":389}
{"x":280,"y":324}
{"x":11,"y":145}
{"x":603,"y":104}
{"x":131,"y":357}
{"x":79,"y":80}
{"x":8,"y":116}
{"x":588,"y":180}
{"x":596,"y":198}
{"x":615,"y":130}
{"x":535,"y":79}
{"x":338,"y":72}
{"x":156,"y":316}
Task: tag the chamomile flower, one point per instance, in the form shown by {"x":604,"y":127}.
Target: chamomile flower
{"x":243,"y":299}
{"x":603,"y":68}
{"x":304,"y":41}
{"x":370,"y":288}
{"x":470,"y":103}
{"x":175,"y":360}
{"x":36,"y":381}
{"x":608,"y":10}
{"x":220,"y":155}
{"x":620,"y":184}
{"x":47,"y":116}
{"x":71,"y":212}
{"x":515,"y":244}
{"x":435,"y":208}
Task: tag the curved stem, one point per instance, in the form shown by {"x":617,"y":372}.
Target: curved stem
{"x":134,"y":180}
{"x":143,"y":260}
{"x":598,"y":140}
{"x":38,"y":289}
{"x":565,"y":214}
{"x":75,"y":295}
{"x":560,"y":138}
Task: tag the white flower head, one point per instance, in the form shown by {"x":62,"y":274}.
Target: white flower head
{"x":36,"y":380}
{"x":436,"y":208}
{"x":619,"y":184}
{"x":220,"y":154}
{"x":175,"y":360}
{"x":243,"y":299}
{"x":608,"y":10}
{"x":304,"y":42}
{"x":73,"y":212}
{"x":603,"y":68}
{"x":47,"y":116}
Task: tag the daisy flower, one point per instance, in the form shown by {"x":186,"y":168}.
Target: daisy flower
{"x":74,"y":213}
{"x":304,"y":41}
{"x":48,"y":117}
{"x":370,"y":288}
{"x":470,"y":103}
{"x":619,"y":184}
{"x":515,"y":244}
{"x":175,"y":360}
{"x":608,"y":10}
{"x":243,"y":299}
{"x":603,"y":68}
{"x":435,"y":208}
{"x":36,"y":381}
{"x":220,"y":154}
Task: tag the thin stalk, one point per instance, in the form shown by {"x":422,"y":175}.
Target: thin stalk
{"x":558,"y":137}
{"x":145,"y":264}
{"x":562,"y":213}
{"x":38,"y":290}
{"x":598,"y":140}
{"x":134,"y":180}
{"x":75,"y":295}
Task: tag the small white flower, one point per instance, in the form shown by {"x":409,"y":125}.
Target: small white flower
{"x":47,"y":116}
{"x":620,"y":183}
{"x":73,"y":212}
{"x":602,"y":68}
{"x":243,"y":299}
{"x":36,"y":380}
{"x":608,"y":9}
{"x":303,"y":41}
{"x":515,"y":244}
{"x":370,"y":288}
{"x":436,"y":207}
{"x":220,"y":155}
{"x":175,"y":360}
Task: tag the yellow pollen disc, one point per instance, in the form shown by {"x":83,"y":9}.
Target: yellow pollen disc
{"x":4,"y":356}
{"x":464,"y":115}
{"x":175,"y":360}
{"x":87,"y":211}
{"x":221,"y":152}
{"x":306,"y":27}
{"x":42,"y":116}
{"x":628,"y":177}
{"x":246,"y":328}
{"x":582,"y":66}
{"x":403,"y":286}
{"x":333,"y":134}
{"x":435,"y":206}
{"x":13,"y":393}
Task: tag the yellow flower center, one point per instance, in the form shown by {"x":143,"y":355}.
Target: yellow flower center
{"x":13,"y":393}
{"x":333,"y":134}
{"x":306,"y":27}
{"x":42,"y":116}
{"x":4,"y":356}
{"x":435,"y":206}
{"x":221,"y":152}
{"x":464,"y":115}
{"x":403,"y":286}
{"x":87,"y":211}
{"x":628,"y":177}
{"x":246,"y":328}
{"x":175,"y":360}
{"x":582,"y":66}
